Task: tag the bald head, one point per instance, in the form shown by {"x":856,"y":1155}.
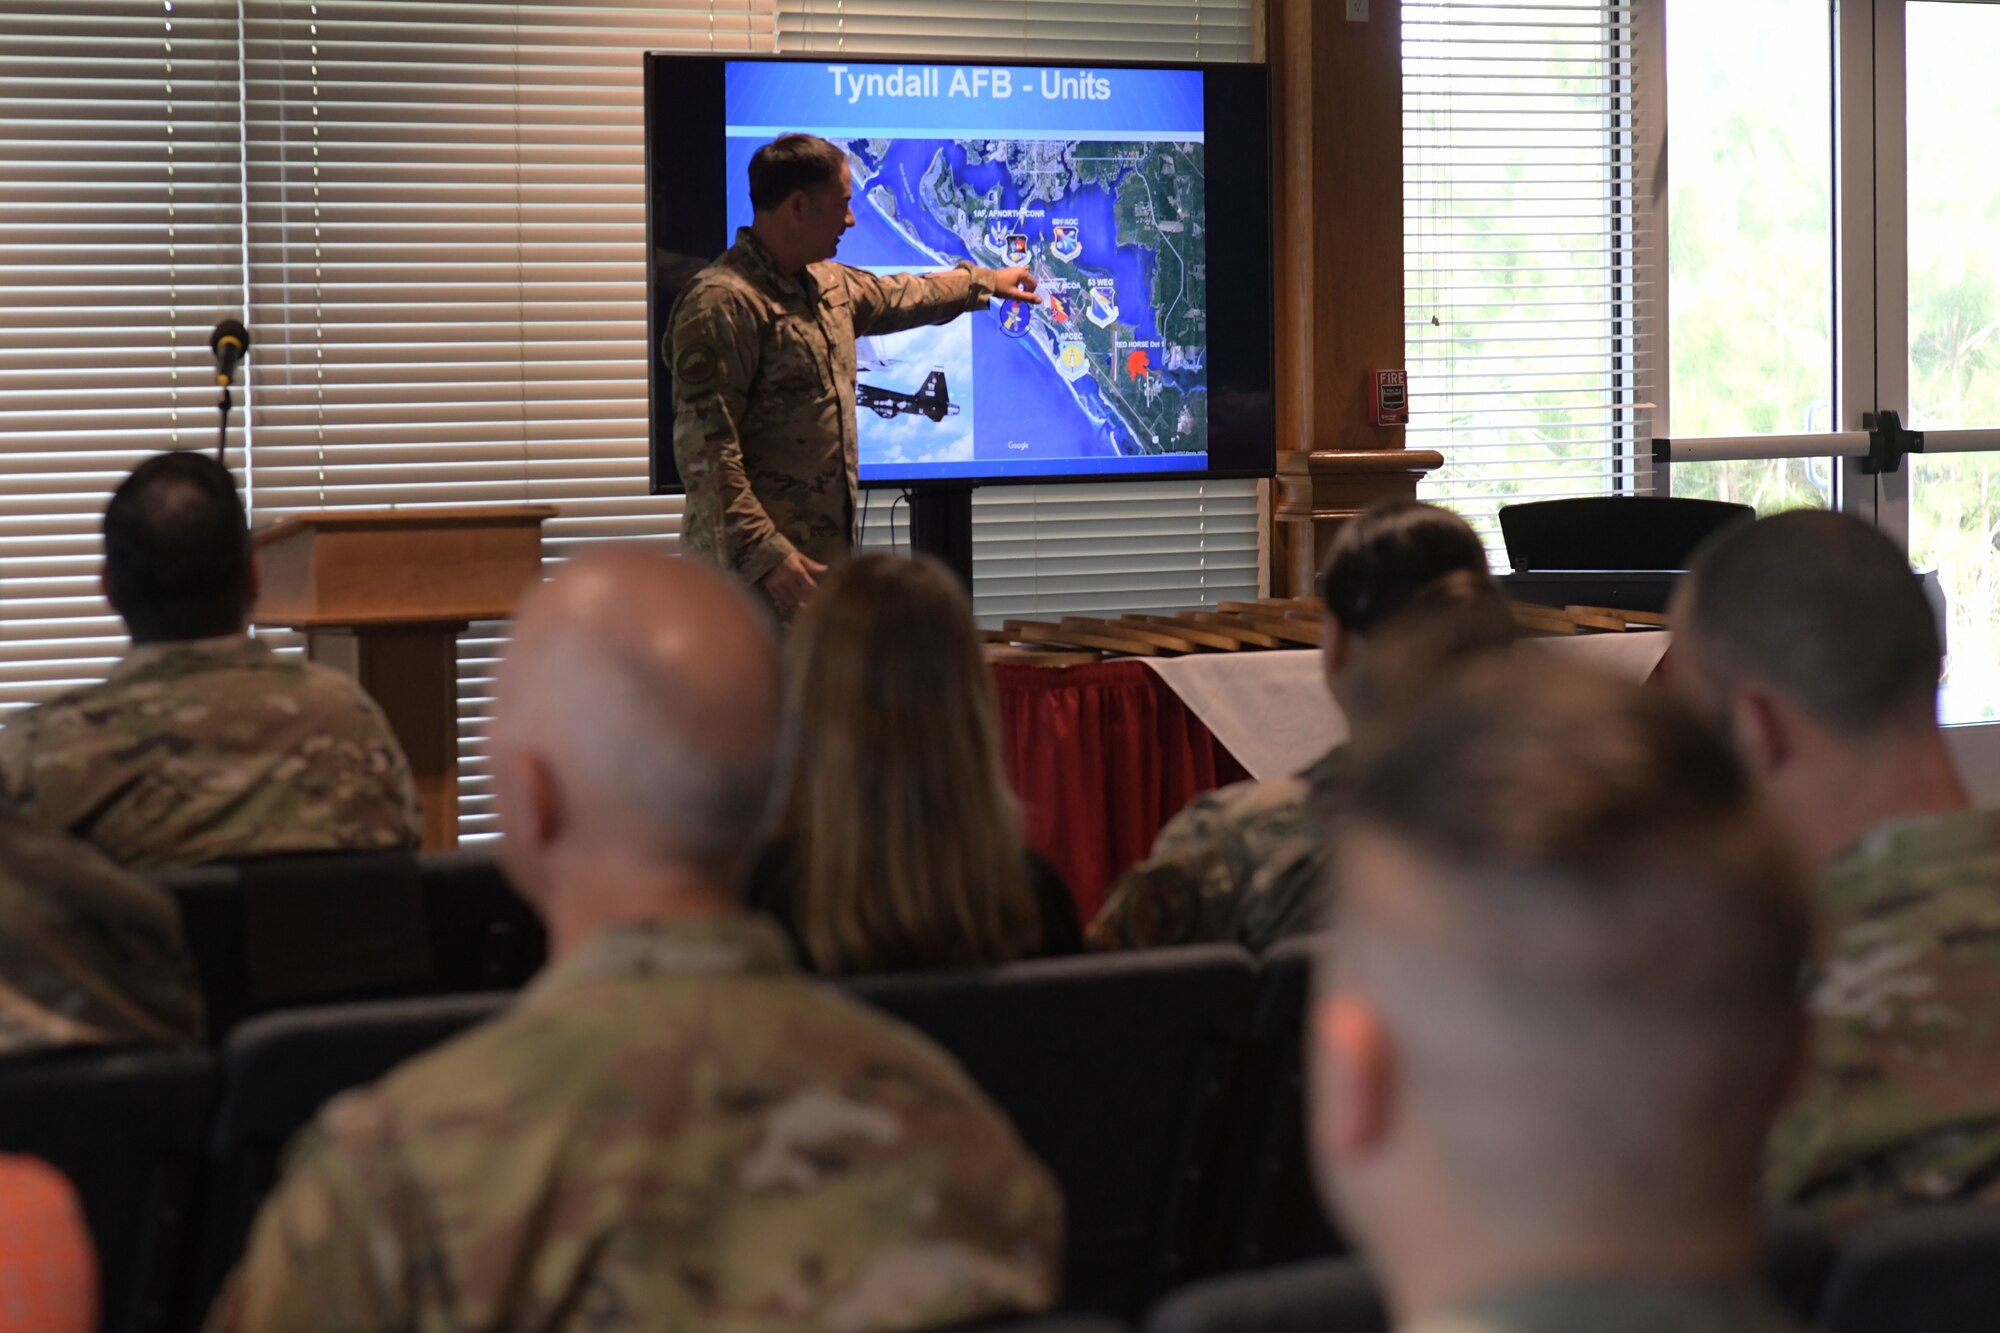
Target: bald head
{"x":1565,"y":914}
{"x":636,"y":717}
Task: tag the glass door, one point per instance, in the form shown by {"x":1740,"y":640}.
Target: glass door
{"x":1912,"y":267}
{"x":1750,"y":242}
{"x":1952,"y":114}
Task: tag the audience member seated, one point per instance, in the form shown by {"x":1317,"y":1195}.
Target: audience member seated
{"x":1807,"y":636}
{"x":48,"y":1270}
{"x":203,"y":745}
{"x":898,"y":843}
{"x":1246,"y":862}
{"x":671,"y":1128}
{"x":1557,"y":1012}
{"x":89,"y":954}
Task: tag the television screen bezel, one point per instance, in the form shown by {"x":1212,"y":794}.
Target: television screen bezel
{"x":1247,"y":456}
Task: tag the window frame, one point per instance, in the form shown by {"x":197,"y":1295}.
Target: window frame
{"x":1871,"y":276}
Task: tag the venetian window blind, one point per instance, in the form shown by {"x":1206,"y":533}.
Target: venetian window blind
{"x":1520,"y":249}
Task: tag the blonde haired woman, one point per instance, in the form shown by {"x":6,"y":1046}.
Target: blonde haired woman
{"x":897,"y":843}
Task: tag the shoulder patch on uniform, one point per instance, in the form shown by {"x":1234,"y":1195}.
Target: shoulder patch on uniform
{"x":696,"y":364}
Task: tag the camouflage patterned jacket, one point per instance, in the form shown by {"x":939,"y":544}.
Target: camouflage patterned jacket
{"x":89,"y":955}
{"x":1242,"y":863}
{"x":671,"y":1129}
{"x":1903,"y":1102}
{"x":763,"y":366}
{"x":210,"y":750}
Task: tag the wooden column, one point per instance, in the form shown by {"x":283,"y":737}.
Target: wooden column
{"x":1337,"y":112}
{"x":1317,"y":492}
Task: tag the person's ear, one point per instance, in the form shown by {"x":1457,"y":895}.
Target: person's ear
{"x":1762,"y":729}
{"x":533,"y":812}
{"x":1354,"y":1091}
{"x":1336,"y":646}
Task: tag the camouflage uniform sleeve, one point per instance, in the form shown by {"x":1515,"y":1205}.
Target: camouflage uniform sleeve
{"x":889,"y":303}
{"x":712,"y":353}
{"x":325,"y":1253}
{"x":1184,"y":893}
{"x":88,"y":951}
{"x":15,"y":783}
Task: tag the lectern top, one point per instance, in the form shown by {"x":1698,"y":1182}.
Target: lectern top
{"x":432,"y":516}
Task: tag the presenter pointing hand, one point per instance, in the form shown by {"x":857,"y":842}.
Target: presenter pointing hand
{"x":761,"y":350}
{"x":1015,"y":284}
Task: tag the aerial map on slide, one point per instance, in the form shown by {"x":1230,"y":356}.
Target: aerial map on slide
{"x":1108,"y":373}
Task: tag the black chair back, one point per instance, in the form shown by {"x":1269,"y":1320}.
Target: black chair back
{"x":1046,"y":1323}
{"x":1321,"y":1296}
{"x":1115,"y":1070}
{"x":286,"y":931}
{"x":277,"y":1072}
{"x":130,"y":1130}
{"x":1268,"y":1211}
{"x":1613,"y":532}
{"x":1340,"y":1295}
{"x":1921,"y":1270}
{"x":484,"y":936}
{"x":1799,"y":1254}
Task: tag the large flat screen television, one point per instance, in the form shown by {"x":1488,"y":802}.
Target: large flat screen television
{"x":1139,"y":195}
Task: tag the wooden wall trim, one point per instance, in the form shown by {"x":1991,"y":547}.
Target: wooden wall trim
{"x":1337,"y":223}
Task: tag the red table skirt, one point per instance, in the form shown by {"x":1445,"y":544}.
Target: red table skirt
{"x":1101,"y":757}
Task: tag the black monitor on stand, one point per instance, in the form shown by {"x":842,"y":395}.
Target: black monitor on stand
{"x":941,"y":525}
{"x":1149,"y":357}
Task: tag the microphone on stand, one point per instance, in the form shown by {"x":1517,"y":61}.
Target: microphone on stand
{"x":231,"y":343}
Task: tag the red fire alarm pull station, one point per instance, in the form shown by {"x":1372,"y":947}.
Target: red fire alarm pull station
{"x":1389,"y":398}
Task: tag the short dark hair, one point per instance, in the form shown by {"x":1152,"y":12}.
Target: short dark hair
{"x":1441,"y":628}
{"x":788,"y":164}
{"x":1822,"y":609}
{"x":1388,"y":551}
{"x":177,"y":550}
{"x":1615,"y":919}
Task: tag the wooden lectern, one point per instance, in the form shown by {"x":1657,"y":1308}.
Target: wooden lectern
{"x":382,"y":594}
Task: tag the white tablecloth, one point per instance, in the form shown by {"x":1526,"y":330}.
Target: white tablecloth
{"x":1273,"y":712}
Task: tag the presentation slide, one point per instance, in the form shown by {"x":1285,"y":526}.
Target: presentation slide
{"x":1093,"y":178}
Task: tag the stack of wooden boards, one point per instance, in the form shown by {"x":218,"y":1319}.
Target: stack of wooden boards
{"x":1272,"y":622}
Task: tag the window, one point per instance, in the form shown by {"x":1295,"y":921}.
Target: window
{"x":1750,"y":240}
{"x":447,"y":268}
{"x":1522,"y":295}
{"x":1054,"y":30}
{"x":119,"y":250}
{"x":432,"y":214}
{"x":1828,"y":226}
{"x":1954,"y":327}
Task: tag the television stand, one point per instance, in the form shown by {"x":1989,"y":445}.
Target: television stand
{"x":941,"y":525}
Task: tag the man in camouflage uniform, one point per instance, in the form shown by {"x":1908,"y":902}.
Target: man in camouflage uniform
{"x":202,"y":744}
{"x":761,"y":349}
{"x":89,"y":955}
{"x":1556,"y":1012}
{"x":1809,"y":639}
{"x":1246,"y":863}
{"x":1242,"y":863}
{"x":671,"y":1128}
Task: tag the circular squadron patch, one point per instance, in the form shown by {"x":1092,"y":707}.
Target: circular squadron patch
{"x":696,"y":364}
